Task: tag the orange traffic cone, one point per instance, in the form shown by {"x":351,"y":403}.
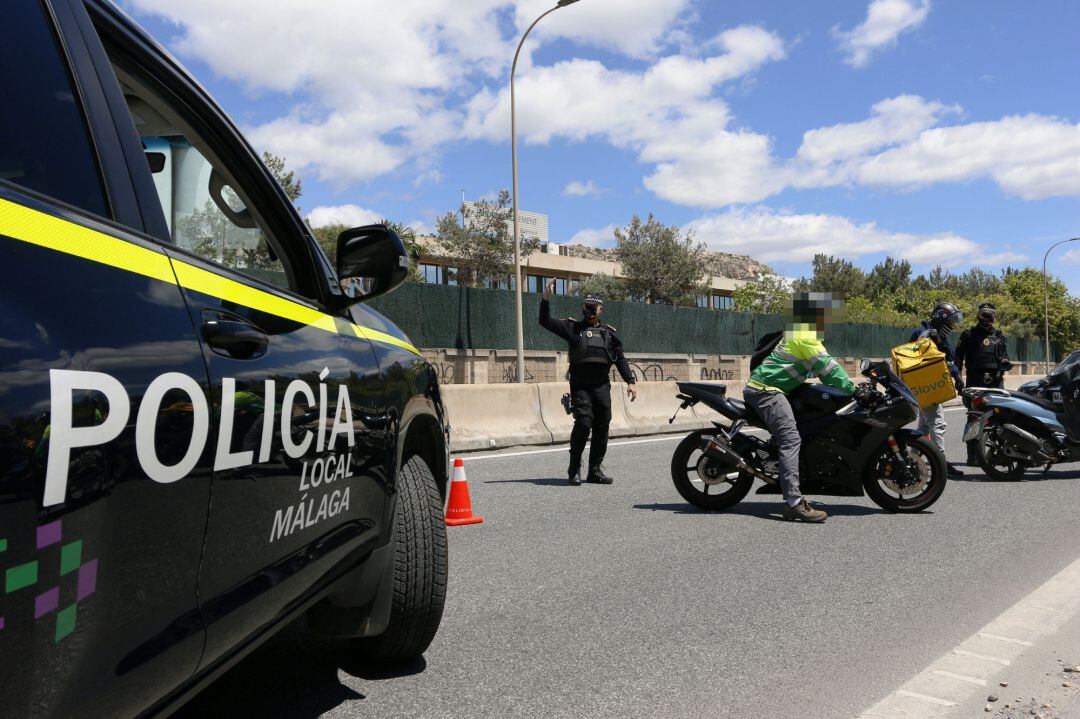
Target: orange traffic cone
{"x":459,"y":508}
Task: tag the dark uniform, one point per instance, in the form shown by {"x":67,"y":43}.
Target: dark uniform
{"x":982,"y":351}
{"x":592,"y":352}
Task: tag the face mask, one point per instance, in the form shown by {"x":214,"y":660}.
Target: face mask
{"x":590,"y":311}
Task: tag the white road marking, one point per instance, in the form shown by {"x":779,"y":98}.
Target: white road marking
{"x":564,"y":448}
{"x":996,"y":660}
{"x":1021,"y":642}
{"x":926,"y":698}
{"x":961,"y":677}
{"x":956,"y":676}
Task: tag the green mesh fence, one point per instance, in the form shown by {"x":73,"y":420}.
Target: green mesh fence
{"x":467,"y":318}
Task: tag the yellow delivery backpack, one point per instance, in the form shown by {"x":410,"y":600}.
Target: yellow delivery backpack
{"x":921,"y":365}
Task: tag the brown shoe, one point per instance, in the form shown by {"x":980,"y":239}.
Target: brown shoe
{"x":803,"y":512}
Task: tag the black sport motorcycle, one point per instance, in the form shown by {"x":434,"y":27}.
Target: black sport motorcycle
{"x":848,"y":446}
{"x":1015,"y":431}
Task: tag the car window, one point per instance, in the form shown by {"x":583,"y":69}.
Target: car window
{"x":44,"y":143}
{"x":204,"y":213}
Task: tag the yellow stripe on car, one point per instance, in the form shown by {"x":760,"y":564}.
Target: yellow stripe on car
{"x":55,"y":233}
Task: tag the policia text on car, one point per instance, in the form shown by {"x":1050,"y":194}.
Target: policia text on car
{"x":594,"y":347}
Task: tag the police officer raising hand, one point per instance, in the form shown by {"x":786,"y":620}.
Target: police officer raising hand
{"x":594,"y":346}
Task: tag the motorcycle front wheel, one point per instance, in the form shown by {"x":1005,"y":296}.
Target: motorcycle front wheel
{"x":926,"y":476}
{"x":704,"y":482}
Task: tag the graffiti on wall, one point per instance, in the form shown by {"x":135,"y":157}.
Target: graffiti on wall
{"x":650,"y":373}
{"x":509,"y":373}
{"x":717,"y":374}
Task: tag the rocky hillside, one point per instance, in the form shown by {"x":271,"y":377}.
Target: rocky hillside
{"x":719,"y":264}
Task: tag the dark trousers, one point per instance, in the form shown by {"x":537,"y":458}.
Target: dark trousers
{"x":592,"y":413}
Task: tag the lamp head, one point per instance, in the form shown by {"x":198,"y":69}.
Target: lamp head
{"x":564,"y":3}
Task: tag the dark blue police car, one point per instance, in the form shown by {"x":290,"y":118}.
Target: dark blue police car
{"x":204,"y":432}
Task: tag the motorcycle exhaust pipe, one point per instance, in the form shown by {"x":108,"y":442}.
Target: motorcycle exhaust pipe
{"x":1026,"y":441}
{"x":723,"y":452}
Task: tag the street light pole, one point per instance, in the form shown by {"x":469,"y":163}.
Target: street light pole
{"x":1046,"y":303}
{"x":517,"y":236}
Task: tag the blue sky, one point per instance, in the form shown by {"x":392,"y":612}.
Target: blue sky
{"x":944,"y":132}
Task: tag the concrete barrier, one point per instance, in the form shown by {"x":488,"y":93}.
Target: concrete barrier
{"x":505,"y":415}
{"x":654,"y":406}
{"x":494,"y":416}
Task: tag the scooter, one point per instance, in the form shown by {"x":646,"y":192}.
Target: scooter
{"x":1015,"y":431}
{"x":849,"y":447}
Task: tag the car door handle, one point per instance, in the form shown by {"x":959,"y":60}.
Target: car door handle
{"x":234,"y":338}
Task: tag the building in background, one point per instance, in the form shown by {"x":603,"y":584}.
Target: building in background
{"x":533,"y":225}
{"x":568,"y":265}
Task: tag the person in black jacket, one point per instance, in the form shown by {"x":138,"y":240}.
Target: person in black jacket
{"x":983,"y":352}
{"x":943,"y":320}
{"x":594,"y":347}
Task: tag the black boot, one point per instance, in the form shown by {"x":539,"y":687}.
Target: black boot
{"x":574,"y":473}
{"x":597,"y":475}
{"x":952,"y":470}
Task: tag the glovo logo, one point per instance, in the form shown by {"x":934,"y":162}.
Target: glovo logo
{"x":928,"y":388}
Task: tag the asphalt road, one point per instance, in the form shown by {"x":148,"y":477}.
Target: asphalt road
{"x":599,"y":601}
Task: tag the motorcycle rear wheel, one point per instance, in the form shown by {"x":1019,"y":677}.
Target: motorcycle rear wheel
{"x":926,"y":458}
{"x":684,"y":473}
{"x":993,"y":462}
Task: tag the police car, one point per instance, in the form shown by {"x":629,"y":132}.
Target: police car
{"x":204,"y":432}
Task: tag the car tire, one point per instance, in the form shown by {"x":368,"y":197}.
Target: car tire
{"x":420,"y":569}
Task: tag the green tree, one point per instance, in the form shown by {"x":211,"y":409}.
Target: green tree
{"x":660,"y":263}
{"x":288,"y":180}
{"x":834,"y":274}
{"x":770,"y":295}
{"x":608,"y":287}
{"x":1024,"y":290}
{"x":483,"y":246}
{"x":861,"y":310}
{"x":327,"y":237}
{"x":887,"y":276}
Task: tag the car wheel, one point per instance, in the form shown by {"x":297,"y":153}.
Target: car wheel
{"x":420,"y":568}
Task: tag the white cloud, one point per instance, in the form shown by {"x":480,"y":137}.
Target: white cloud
{"x":666,"y":113}
{"x":576,"y":188}
{"x":902,"y":146}
{"x":351,"y":215}
{"x":892,"y":121}
{"x":770,"y":236}
{"x":1030,"y":156}
{"x":637,"y":29}
{"x":595,"y":237}
{"x":374,"y":86}
{"x":885,"y":21}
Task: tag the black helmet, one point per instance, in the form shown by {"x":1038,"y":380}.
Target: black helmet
{"x":946,"y":316}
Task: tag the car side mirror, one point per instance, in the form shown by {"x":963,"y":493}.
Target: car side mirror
{"x":371,"y":261}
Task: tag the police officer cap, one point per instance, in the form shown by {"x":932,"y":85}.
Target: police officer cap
{"x":987,"y":306}
{"x":593,"y":299}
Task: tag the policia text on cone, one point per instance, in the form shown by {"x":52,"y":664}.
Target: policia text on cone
{"x":594,"y":347}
